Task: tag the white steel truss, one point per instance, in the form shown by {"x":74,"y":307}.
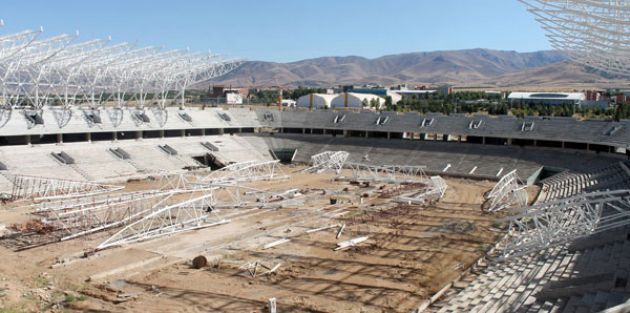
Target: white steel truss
{"x":61,"y":72}
{"x":433,"y":191}
{"x":84,"y":220}
{"x":80,"y":216}
{"x":595,"y":33}
{"x":248,"y":171}
{"x":185,"y":216}
{"x":508,"y":192}
{"x":42,"y":188}
{"x":545,"y":225}
{"x":393,"y":174}
{"x":73,"y":203}
{"x":326,"y":160}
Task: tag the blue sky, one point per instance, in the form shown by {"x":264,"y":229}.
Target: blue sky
{"x":288,"y":30}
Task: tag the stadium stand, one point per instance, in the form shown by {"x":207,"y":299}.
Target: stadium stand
{"x":567,"y":184}
{"x":487,"y":161}
{"x":588,"y":275}
{"x":96,"y":162}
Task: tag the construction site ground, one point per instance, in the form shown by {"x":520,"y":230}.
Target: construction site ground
{"x":411,"y":252}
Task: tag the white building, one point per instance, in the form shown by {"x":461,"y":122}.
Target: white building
{"x":356,"y":100}
{"x":288,"y":103}
{"x":547,"y":98}
{"x":316,"y":101}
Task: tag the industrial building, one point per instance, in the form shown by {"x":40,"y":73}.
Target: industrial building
{"x":547,"y":98}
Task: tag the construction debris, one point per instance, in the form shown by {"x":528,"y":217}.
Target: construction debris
{"x":275,"y":243}
{"x":272,"y":305}
{"x":340,"y":230}
{"x":322,"y":228}
{"x":199,"y":262}
{"x":508,"y":192}
{"x":333,"y":160}
{"x":272,"y":270}
{"x":351,"y":243}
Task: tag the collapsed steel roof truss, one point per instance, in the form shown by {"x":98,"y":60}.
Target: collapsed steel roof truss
{"x":541,"y":226}
{"x":506,"y":193}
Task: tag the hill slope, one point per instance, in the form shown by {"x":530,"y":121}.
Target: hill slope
{"x":455,"y":67}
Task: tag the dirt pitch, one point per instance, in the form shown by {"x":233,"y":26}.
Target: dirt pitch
{"x":411,"y":252}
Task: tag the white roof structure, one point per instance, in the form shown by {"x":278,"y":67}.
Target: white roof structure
{"x":396,"y":97}
{"x":355,"y":100}
{"x":61,"y":71}
{"x":315,"y":100}
{"x":568,"y":96}
{"x":595,"y":33}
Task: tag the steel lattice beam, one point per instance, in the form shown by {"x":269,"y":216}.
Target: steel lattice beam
{"x":593,"y":33}
{"x":434,"y":191}
{"x":185,"y":216}
{"x":549,"y":224}
{"x":42,"y":188}
{"x":393,"y":174}
{"x":248,"y":171}
{"x":508,"y":192}
{"x":326,"y":160}
{"x":57,"y":71}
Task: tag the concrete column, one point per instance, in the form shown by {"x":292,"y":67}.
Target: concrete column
{"x":59,"y":138}
{"x":115,"y":136}
{"x":345,"y":133}
{"x":221,"y":131}
{"x":88,"y":137}
{"x":162,"y":133}
{"x":389,"y":135}
{"x":29,"y":139}
{"x":509,"y":141}
{"x":303,"y":131}
{"x":366,"y":134}
{"x":535,"y":143}
{"x":139,"y":135}
{"x":183,"y":133}
{"x":563,"y":147}
{"x":203,"y":132}
{"x":483,"y":140}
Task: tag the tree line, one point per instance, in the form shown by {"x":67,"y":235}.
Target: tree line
{"x":468,"y":102}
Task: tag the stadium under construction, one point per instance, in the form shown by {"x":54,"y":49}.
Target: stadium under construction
{"x":116,"y":191}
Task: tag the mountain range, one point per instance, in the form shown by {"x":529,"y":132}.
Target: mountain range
{"x":473,"y":67}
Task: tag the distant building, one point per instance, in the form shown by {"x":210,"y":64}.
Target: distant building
{"x":222,"y":91}
{"x":407,"y":94}
{"x":233,"y":98}
{"x":594,"y":95}
{"x":357,"y":100}
{"x":445,"y":90}
{"x":619,"y":95}
{"x":381,"y":92}
{"x":316,"y":101}
{"x":547,"y":98}
{"x":289,"y":103}
{"x":232,"y":95}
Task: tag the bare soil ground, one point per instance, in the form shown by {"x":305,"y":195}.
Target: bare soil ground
{"x":411,"y":252}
